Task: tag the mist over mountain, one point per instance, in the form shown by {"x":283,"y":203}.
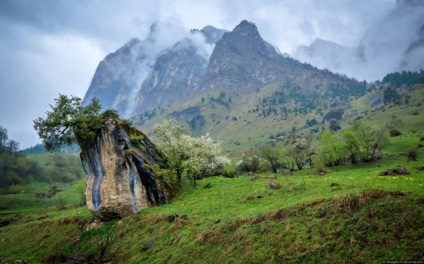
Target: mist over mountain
{"x":143,"y":76}
{"x":172,"y":64}
{"x":120,"y":75}
{"x":396,"y":43}
{"x":156,"y":68}
{"x":179,"y":71}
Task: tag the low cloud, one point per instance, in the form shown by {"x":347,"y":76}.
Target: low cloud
{"x":32,"y":78}
{"x":394,"y":43}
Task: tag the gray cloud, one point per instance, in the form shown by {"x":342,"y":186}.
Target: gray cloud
{"x":394,"y":43}
{"x":50,"y":47}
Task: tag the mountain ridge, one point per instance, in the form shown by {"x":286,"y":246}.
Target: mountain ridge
{"x":212,"y":60}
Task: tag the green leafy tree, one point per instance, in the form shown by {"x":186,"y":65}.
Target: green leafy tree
{"x":352,"y":144}
{"x":357,"y":142}
{"x":300,"y":152}
{"x":272,"y":154}
{"x":69,"y":122}
{"x":362,"y":142}
{"x":250,"y":162}
{"x":331,"y":150}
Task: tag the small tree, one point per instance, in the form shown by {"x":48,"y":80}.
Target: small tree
{"x":3,"y":137}
{"x":330,"y":151}
{"x":299,"y":153}
{"x":335,"y":125}
{"x":191,"y":157}
{"x":250,"y":162}
{"x":170,"y":133}
{"x":272,"y":154}
{"x":362,"y":142}
{"x":69,"y":122}
{"x":13,"y":146}
{"x":394,"y":123}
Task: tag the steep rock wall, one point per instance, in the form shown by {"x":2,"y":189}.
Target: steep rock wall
{"x":120,"y":179}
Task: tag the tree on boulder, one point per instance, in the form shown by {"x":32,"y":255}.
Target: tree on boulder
{"x":118,"y":159}
{"x":69,"y":122}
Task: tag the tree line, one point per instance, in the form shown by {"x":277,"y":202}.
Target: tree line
{"x":355,"y":143}
{"x":404,"y":77}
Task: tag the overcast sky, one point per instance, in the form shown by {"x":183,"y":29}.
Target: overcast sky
{"x":49,"y":47}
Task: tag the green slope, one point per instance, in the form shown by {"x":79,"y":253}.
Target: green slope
{"x":240,"y":126}
{"x":348,"y":214}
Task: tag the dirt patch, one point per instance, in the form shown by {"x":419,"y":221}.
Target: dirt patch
{"x":394,"y":172}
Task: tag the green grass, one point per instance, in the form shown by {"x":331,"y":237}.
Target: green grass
{"x":26,"y":201}
{"x":349,"y":213}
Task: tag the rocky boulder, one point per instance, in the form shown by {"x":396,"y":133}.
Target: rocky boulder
{"x":121,"y":178}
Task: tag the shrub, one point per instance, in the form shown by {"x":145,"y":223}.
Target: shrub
{"x":127,"y":124}
{"x":15,"y":189}
{"x":99,"y":245}
{"x":320,"y":168}
{"x":136,"y":140}
{"x":228,"y":172}
{"x":250,"y":162}
{"x":394,"y":133}
{"x":4,"y":205}
{"x":411,"y":155}
{"x":420,"y":145}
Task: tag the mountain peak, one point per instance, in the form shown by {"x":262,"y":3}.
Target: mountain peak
{"x":246,"y":27}
{"x":133,"y":42}
{"x":212,"y":34}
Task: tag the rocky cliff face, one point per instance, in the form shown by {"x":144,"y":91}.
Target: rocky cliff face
{"x":120,"y":179}
{"x":159,"y":68}
{"x":242,"y":59}
{"x":117,"y":74}
{"x":178,"y":72}
{"x":120,"y":75}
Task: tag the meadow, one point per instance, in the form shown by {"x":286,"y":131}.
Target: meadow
{"x":349,"y":214}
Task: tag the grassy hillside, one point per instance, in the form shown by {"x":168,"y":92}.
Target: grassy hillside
{"x":26,"y":172}
{"x":244,"y":121}
{"x":348,"y":214}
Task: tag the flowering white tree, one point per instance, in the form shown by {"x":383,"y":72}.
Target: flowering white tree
{"x":191,"y":157}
